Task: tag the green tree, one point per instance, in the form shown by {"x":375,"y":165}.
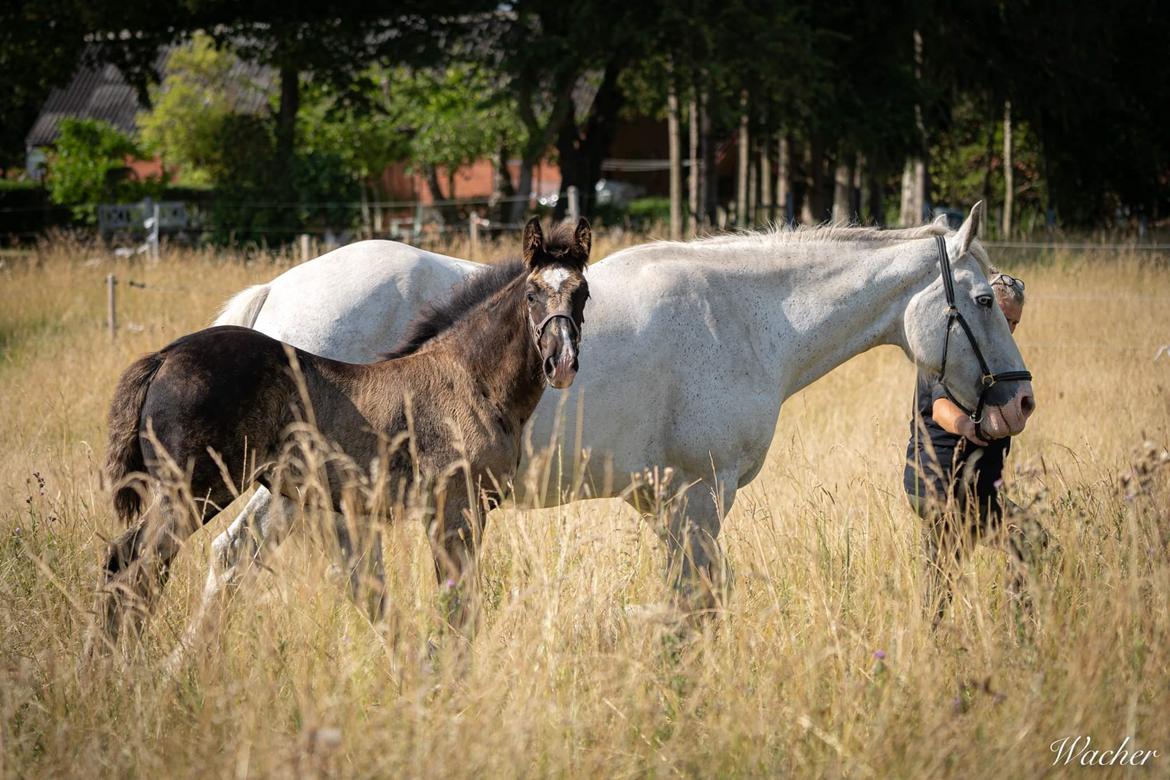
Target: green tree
{"x":88,"y":167}
{"x":189,"y":108}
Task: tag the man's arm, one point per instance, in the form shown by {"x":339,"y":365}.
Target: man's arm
{"x":954,"y":420}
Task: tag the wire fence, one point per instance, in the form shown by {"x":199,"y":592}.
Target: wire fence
{"x":430,"y":221}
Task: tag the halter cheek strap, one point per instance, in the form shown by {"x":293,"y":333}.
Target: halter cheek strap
{"x":989,"y":379}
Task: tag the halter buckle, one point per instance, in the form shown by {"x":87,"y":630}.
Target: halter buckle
{"x":988,"y":380}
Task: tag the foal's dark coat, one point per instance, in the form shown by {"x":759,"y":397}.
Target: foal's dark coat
{"x":465,"y":380}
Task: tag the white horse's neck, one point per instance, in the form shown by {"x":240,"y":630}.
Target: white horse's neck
{"x":825,"y":302}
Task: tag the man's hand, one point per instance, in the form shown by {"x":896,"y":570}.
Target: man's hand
{"x":954,"y":420}
{"x":969,"y":430}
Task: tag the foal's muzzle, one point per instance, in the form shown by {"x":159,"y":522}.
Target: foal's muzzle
{"x":556,"y":340}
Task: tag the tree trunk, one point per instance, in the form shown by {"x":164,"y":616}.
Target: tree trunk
{"x":741,"y":170}
{"x":523,"y":191}
{"x":857,"y":191}
{"x":766,"y":198}
{"x":1009,"y":194}
{"x":434,"y":185}
{"x":541,"y":133}
{"x":694,"y":191}
{"x":818,"y":201}
{"x":502,"y":190}
{"x":708,"y":182}
{"x":675,"y":144}
{"x":286,"y":121}
{"x":842,"y":190}
{"x":914,"y":186}
{"x":913,"y":192}
{"x":877,"y":210}
{"x":784,"y":180}
{"x":582,"y":149}
{"x":753,"y":193}
{"x":988,"y":171}
{"x":367,"y":228}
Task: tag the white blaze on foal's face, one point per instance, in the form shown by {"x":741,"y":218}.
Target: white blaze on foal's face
{"x":554,"y":278}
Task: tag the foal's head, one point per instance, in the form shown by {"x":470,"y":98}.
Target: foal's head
{"x":556,"y":294}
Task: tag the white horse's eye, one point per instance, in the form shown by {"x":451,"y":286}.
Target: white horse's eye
{"x":984,"y":300}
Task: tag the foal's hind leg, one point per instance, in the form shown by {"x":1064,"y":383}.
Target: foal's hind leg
{"x":138,"y":565}
{"x":242,"y":548}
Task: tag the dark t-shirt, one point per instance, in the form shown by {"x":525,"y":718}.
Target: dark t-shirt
{"x":938,"y":461}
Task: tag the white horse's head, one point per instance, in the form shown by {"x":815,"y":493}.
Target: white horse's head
{"x":970,"y":345}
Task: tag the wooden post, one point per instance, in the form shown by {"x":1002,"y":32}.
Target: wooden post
{"x":111,"y":304}
{"x":473,"y":229}
{"x":304,"y":247}
{"x":574,"y":209}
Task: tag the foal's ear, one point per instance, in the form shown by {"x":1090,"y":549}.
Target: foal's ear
{"x":583,"y":237}
{"x":533,"y":243}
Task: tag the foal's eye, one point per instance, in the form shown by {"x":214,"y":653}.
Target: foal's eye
{"x":984,"y":301}
{"x":532,"y":297}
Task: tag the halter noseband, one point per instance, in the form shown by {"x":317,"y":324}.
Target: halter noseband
{"x":538,"y":329}
{"x":989,"y":379}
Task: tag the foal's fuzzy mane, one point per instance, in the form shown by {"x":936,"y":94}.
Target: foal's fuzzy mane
{"x":436,"y":317}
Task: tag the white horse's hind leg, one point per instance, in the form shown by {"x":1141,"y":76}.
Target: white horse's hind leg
{"x":256,"y":532}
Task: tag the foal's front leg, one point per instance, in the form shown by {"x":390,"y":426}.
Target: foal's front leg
{"x":454,"y":535}
{"x":361,"y":549}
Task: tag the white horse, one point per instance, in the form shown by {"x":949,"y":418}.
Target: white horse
{"x":692,"y":348}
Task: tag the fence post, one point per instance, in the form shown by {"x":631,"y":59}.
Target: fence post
{"x":304,"y":247}
{"x":574,"y":209}
{"x":111,"y":304}
{"x":473,"y":229}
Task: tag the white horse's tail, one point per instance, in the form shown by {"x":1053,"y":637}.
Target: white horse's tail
{"x":244,"y":307}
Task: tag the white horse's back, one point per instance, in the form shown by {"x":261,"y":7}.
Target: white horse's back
{"x":350,"y":304}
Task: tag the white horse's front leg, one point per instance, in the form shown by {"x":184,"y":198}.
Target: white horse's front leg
{"x":689,"y":523}
{"x":255,"y":533}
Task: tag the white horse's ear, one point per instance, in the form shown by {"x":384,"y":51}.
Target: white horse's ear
{"x":969,"y":230}
{"x":940,"y":220}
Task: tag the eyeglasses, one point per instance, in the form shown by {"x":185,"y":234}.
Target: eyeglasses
{"x":1003,"y":280}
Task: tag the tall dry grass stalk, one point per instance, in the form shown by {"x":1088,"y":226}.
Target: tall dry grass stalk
{"x":822,"y":664}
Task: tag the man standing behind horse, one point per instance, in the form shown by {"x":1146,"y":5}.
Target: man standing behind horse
{"x":953,"y":473}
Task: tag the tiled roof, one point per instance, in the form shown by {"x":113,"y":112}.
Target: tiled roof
{"x":95,"y":93}
{"x":100,"y":92}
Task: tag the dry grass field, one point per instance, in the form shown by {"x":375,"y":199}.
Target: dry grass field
{"x":822,"y":663}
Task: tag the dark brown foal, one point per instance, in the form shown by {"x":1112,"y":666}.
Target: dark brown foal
{"x":439,"y":420}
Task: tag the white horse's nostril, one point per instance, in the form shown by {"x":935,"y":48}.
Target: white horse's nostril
{"x":1027,"y":405}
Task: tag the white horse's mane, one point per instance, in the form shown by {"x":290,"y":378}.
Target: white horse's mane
{"x":828,"y":232}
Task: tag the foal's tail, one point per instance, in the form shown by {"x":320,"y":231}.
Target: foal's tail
{"x":124,"y":452}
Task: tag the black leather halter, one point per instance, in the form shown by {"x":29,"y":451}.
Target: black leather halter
{"x":989,"y":379}
{"x":538,"y":329}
